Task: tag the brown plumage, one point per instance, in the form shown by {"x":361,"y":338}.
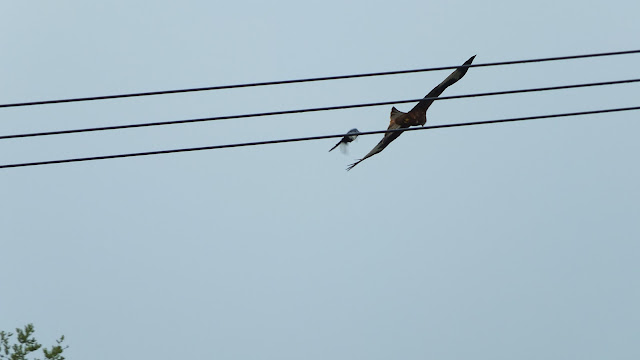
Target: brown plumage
{"x":417,"y":116}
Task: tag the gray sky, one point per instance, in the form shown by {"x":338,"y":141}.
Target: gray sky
{"x":512,"y":241}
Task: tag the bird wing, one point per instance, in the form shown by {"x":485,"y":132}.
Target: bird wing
{"x":456,"y":75}
{"x":386,"y":140}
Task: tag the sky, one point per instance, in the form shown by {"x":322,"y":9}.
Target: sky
{"x":506,"y":241}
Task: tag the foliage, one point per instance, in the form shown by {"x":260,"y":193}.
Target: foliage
{"x":27,"y":344}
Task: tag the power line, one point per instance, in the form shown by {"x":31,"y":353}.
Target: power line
{"x":267,"y":142}
{"x":340,"y":107}
{"x":325,"y":78}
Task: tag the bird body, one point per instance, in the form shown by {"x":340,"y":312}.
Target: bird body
{"x":349,"y":137}
{"x":417,"y":116}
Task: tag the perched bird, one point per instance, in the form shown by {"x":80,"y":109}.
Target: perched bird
{"x":351,"y":135}
{"x":417,"y":116}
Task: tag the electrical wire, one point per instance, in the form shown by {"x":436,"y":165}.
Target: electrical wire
{"x":325,"y":78}
{"x":340,"y":107}
{"x":309,"y":138}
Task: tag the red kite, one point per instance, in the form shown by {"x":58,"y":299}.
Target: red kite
{"x":417,"y":116}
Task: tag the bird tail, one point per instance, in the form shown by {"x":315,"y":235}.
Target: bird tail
{"x":340,"y":142}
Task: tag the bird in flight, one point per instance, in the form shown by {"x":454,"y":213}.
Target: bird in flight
{"x":417,"y":116}
{"x":351,"y":135}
